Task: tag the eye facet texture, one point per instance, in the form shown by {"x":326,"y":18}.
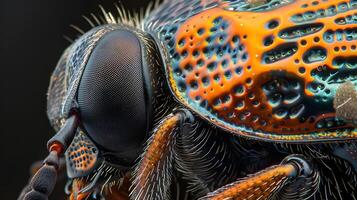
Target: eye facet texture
{"x":112,"y":94}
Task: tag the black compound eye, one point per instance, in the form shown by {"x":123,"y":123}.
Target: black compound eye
{"x":113,"y":95}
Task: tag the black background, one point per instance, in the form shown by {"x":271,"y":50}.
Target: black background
{"x":31,"y":42}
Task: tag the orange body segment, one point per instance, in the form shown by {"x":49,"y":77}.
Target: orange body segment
{"x":157,"y":149}
{"x":259,"y":186}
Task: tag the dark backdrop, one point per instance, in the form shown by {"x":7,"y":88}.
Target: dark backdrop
{"x":31,"y":41}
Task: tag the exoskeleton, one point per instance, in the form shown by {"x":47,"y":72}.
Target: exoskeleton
{"x":208,"y":99}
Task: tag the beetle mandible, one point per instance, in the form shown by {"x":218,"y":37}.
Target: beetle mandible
{"x":208,"y":99}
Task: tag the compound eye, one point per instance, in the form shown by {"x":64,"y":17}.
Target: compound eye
{"x":112,"y":95}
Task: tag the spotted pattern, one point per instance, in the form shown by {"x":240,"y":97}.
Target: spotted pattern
{"x":269,"y":72}
{"x":81,"y":156}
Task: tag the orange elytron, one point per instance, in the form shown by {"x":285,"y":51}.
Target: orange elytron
{"x":267,"y":72}
{"x":144,"y":109}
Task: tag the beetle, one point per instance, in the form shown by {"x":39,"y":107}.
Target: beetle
{"x":208,"y":99}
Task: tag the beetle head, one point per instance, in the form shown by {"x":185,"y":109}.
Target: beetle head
{"x":114,"y":94}
{"x":111,"y":76}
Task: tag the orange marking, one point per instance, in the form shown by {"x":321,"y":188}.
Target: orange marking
{"x":82,"y":155}
{"x":251,"y":29}
{"x":121,"y":193}
{"x":114,"y":193}
{"x":259,"y":186}
{"x":57,"y":147}
{"x":77,"y":185}
{"x":157,"y":147}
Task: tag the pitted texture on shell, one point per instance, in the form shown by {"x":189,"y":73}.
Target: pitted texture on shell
{"x":269,"y":74}
{"x":81,"y":156}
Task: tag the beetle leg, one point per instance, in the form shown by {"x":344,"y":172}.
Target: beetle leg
{"x":294,"y":178}
{"x":153,"y":174}
{"x":207,"y":159}
{"x":43,"y":182}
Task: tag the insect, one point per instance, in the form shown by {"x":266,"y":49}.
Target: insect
{"x":208,"y":99}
